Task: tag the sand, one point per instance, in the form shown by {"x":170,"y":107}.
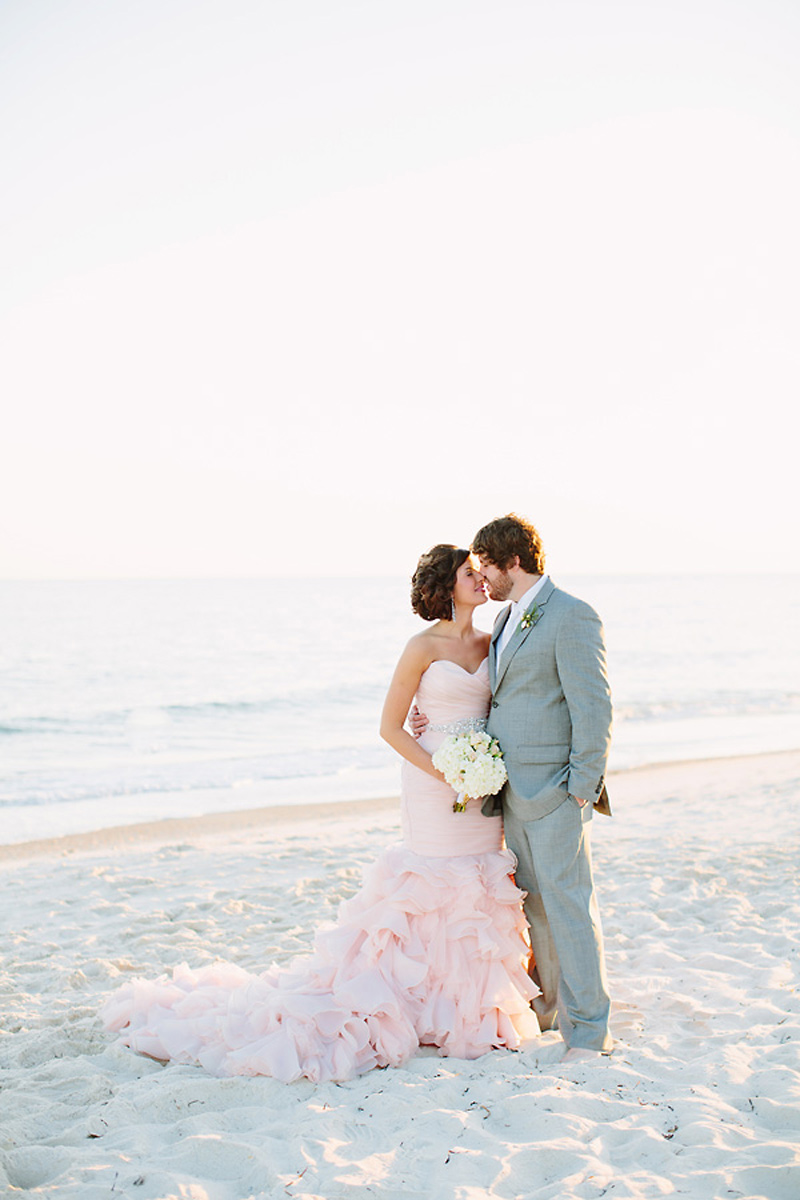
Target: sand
{"x":697,"y":875}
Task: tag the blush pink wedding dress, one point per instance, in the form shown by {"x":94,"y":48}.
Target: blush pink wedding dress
{"x":431,"y":950}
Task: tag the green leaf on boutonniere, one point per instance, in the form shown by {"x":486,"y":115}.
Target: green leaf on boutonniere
{"x":530,"y":616}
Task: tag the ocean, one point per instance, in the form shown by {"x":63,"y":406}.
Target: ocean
{"x":126,"y":701}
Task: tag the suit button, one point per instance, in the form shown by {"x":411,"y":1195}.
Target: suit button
{"x":495,"y":704}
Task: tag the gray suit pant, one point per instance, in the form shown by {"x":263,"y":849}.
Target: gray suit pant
{"x":554,"y":866}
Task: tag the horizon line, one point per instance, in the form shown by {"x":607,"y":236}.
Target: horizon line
{"x":608,"y":574}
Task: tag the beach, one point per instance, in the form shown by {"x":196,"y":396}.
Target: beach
{"x":697,"y":878}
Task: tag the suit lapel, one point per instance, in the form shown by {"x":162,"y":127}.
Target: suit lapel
{"x":499,"y":626}
{"x":519,"y":635}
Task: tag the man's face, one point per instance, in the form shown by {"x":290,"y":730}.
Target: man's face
{"x":498,"y":582}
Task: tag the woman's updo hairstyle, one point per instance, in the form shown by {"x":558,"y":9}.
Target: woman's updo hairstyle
{"x":433,"y":581}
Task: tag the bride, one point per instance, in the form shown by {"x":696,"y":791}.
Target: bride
{"x":431,"y":950}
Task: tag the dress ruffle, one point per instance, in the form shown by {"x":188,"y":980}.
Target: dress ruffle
{"x":430,"y":951}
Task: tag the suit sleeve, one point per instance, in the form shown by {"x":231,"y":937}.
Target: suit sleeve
{"x":581,"y":664}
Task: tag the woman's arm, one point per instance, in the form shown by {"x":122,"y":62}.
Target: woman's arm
{"x":414,"y":660}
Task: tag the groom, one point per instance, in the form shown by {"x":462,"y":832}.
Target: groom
{"x":551,"y":714}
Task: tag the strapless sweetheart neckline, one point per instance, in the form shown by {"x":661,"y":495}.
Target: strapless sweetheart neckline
{"x":455,"y":664}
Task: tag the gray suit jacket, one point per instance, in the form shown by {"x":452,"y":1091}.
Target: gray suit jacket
{"x":551,"y":707}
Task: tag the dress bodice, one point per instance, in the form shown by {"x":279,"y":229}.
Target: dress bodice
{"x":448,"y":695}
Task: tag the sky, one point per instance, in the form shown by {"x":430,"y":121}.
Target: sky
{"x":296,"y":287}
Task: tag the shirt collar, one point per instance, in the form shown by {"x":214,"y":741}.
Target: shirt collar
{"x":519,"y":606}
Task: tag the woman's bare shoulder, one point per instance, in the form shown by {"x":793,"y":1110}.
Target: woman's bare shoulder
{"x":422,"y":646}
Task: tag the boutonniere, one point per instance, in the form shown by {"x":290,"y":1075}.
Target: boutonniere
{"x":530,"y":616}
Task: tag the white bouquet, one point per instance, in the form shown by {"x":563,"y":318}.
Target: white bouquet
{"x":472,"y":763}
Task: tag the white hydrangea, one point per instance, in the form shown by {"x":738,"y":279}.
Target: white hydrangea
{"x":472,"y":763}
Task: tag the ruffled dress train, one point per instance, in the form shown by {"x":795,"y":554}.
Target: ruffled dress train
{"x":431,"y":950}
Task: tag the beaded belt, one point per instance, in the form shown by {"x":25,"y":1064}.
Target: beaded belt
{"x":465,"y":725}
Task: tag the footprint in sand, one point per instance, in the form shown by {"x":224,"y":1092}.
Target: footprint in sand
{"x":32,"y":1166}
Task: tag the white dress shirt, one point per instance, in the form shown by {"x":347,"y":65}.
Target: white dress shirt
{"x":518,"y":607}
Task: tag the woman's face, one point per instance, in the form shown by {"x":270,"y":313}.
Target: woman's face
{"x":469,"y":588}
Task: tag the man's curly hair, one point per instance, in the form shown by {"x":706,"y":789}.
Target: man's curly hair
{"x":502,"y":540}
{"x":433,"y":581}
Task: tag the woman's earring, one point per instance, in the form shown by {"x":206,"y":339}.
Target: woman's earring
{"x":452,"y":609}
